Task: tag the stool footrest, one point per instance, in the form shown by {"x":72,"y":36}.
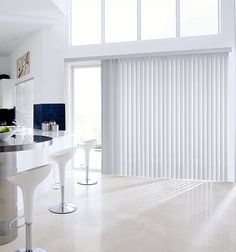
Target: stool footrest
{"x":56,"y":186}
{"x":11,"y":224}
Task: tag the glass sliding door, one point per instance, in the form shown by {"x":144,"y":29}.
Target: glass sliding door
{"x":87,"y":111}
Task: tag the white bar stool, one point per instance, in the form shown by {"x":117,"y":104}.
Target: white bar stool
{"x":28,"y":181}
{"x":62,"y":158}
{"x":87,"y":147}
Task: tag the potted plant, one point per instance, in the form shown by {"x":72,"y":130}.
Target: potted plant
{"x":98,"y":147}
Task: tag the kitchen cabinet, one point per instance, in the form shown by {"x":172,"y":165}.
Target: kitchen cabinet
{"x":7,"y":94}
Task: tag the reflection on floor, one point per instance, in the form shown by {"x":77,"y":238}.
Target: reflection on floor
{"x":122,"y":214}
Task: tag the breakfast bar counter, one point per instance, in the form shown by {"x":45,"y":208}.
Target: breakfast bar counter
{"x":25,"y":142}
{"x":8,"y":167}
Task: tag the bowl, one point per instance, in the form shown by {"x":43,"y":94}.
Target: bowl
{"x":7,"y":135}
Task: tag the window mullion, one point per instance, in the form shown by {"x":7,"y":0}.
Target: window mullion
{"x":177,"y":18}
{"x":219,"y":16}
{"x":139,"y":19}
{"x":103,"y":32}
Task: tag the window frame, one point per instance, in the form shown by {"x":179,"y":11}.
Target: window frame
{"x":139,"y":20}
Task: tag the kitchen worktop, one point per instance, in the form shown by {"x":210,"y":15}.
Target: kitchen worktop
{"x":39,"y":132}
{"x":27,"y":138}
{"x":21,"y":142}
{"x":53,"y":134}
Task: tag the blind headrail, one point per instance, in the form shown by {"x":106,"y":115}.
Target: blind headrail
{"x":164,"y":53}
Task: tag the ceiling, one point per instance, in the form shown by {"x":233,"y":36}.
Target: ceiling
{"x":19,"y":19}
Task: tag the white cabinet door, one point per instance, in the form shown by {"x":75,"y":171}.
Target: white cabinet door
{"x":24,"y":103}
{"x":7,"y":94}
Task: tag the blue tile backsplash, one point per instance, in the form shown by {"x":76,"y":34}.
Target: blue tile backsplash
{"x":48,"y":112}
{"x":7,"y":116}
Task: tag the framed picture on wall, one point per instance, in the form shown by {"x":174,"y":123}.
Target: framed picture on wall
{"x":23,"y":65}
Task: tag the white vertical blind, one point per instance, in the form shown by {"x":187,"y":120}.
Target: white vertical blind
{"x":165,"y":116}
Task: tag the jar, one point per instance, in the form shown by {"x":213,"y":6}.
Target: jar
{"x":55,"y":127}
{"x":52,"y":122}
{"x":45,"y":126}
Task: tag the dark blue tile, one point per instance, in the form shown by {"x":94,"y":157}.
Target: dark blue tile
{"x":7,"y":116}
{"x":48,"y":112}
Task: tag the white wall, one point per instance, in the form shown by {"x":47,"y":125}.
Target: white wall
{"x":54,"y":44}
{"x":4,"y":65}
{"x":62,"y":5}
{"x":34,"y":45}
{"x":47,"y":48}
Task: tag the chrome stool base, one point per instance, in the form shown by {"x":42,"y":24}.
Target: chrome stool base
{"x":87,"y":182}
{"x":64,"y":208}
{"x":32,"y":250}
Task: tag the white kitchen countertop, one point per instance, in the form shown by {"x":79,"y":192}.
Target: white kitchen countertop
{"x":53,"y":134}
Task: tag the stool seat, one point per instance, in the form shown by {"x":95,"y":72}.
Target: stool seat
{"x":62,"y":158}
{"x":28,"y":181}
{"x":64,"y":155}
{"x":87,"y":146}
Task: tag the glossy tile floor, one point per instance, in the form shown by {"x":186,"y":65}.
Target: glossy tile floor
{"x":123,"y":214}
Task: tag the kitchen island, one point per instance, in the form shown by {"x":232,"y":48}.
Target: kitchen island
{"x":8,"y":166}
